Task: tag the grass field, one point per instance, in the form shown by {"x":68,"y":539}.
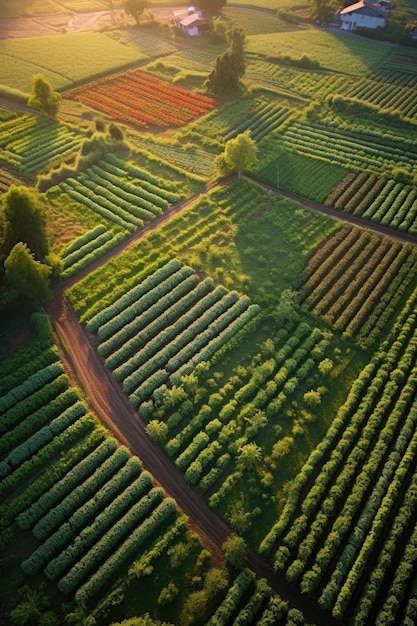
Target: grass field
{"x":62,"y":59}
{"x":336,"y":52}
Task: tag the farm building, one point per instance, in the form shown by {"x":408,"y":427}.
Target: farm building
{"x":190,"y":21}
{"x":363,"y":14}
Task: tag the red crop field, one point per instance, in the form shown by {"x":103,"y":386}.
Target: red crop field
{"x":144,"y":100}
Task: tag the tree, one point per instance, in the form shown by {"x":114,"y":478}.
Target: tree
{"x":229,"y":67}
{"x":30,"y":610}
{"x":27,"y":277}
{"x":157,"y":430}
{"x":24,"y":221}
{"x":43,"y":98}
{"x":239,"y":154}
{"x":211,"y":6}
{"x":135,"y":8}
{"x":323,"y":10}
{"x":249,"y":456}
{"x":234,"y":549}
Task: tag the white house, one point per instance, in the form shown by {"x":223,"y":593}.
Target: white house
{"x":364,"y":14}
{"x":190,"y":21}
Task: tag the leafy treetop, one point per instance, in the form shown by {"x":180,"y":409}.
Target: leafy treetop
{"x":210,"y":6}
{"x":43,"y":97}
{"x":24,"y":221}
{"x":239,"y":154}
{"x":28,"y":278}
{"x":135,"y":8}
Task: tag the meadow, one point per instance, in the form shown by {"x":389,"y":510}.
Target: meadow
{"x":269,"y":350}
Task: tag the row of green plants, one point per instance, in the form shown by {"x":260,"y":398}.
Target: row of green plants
{"x":354,"y":147}
{"x":356,"y":280}
{"x":91,"y":509}
{"x":331,"y":538}
{"x":166,"y":325}
{"x":387,"y":202}
{"x":30,"y":143}
{"x":86,"y":248}
{"x":267,"y":117}
{"x":121,"y":192}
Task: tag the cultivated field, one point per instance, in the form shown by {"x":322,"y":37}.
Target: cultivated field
{"x":220,"y":358}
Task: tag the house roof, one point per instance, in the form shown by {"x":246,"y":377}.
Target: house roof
{"x":365,"y":8}
{"x":190,"y":19}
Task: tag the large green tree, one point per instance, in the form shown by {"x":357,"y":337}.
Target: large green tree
{"x":24,"y":220}
{"x":28,"y":278}
{"x":210,"y":6}
{"x":323,"y":10}
{"x":225,"y":77}
{"x":135,"y":8}
{"x":43,"y":98}
{"x":239,"y":153}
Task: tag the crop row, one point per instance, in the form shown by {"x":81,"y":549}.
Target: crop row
{"x":359,"y":150}
{"x":107,"y":321}
{"x":169,"y":320}
{"x":89,"y":252}
{"x":348,"y":277}
{"x":74,"y":532}
{"x":396,"y":98}
{"x":34,"y":142}
{"x":87,"y":502}
{"x":367,"y":461}
{"x":77,"y":535}
{"x":389,"y":203}
{"x":265,"y":119}
{"x":52,"y":405}
{"x":153,"y":525}
{"x":157,"y":336}
{"x":77,"y":191}
{"x":33,"y":383}
{"x":143,"y":99}
{"x":144,"y":311}
{"x":138,"y":190}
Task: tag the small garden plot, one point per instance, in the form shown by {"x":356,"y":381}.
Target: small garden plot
{"x":144,"y":100}
{"x":386,"y":202}
{"x":357,"y":279}
{"x":164,"y":326}
{"x":305,"y":176}
{"x":195,"y":162}
{"x":30,"y":143}
{"x":122,"y":193}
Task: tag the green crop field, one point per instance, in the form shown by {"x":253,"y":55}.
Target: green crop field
{"x":221,"y":346}
{"x":336,"y":52}
{"x":63,"y":59}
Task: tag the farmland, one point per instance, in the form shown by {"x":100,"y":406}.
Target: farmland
{"x":212,"y":418}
